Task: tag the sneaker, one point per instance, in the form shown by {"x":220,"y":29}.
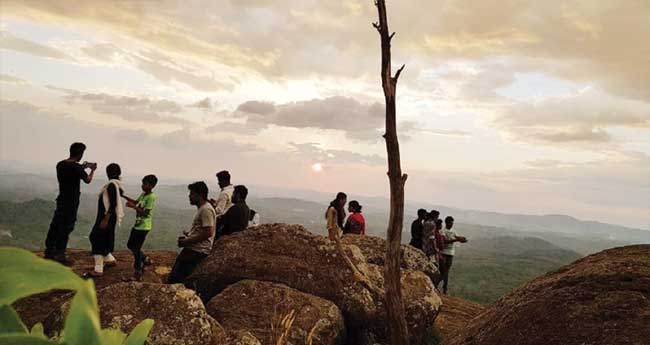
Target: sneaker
{"x":109,"y":264}
{"x":147,"y":261}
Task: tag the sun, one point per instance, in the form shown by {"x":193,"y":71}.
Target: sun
{"x":317,"y":167}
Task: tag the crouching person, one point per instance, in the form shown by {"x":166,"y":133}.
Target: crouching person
{"x":196,"y":242}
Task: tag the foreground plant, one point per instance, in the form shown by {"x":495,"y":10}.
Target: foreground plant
{"x":23,"y":273}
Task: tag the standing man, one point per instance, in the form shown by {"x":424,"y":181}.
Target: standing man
{"x":237,"y":216}
{"x":69,"y":173}
{"x":197,"y":241}
{"x":224,"y":200}
{"x":450,"y":250}
{"x":416,"y":229}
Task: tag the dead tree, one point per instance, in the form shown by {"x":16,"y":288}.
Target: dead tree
{"x":394,"y":307}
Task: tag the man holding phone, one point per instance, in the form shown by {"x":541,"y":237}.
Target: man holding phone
{"x":197,"y":241}
{"x":69,"y":174}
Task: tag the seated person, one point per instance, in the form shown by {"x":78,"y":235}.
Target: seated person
{"x":197,"y":241}
{"x":237,"y":217}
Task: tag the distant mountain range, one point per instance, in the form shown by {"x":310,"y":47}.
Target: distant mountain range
{"x":504,"y":250}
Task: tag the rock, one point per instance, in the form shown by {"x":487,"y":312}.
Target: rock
{"x":36,"y":308}
{"x":601,"y":299}
{"x":252,"y":305}
{"x":291,"y":255}
{"x":455,"y":314}
{"x":242,"y":338}
{"x":179,"y":315}
{"x":374,"y":250}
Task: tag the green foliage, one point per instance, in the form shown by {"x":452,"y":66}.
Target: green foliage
{"x":10,"y":321}
{"x":25,"y":274}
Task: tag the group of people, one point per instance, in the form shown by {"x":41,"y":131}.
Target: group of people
{"x":337,"y":225}
{"x":225,"y":215}
{"x":437,"y":243}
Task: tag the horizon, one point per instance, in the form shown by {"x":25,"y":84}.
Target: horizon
{"x":534,"y":109}
{"x":310,"y":196}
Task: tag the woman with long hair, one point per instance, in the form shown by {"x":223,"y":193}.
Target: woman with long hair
{"x":356,"y":224}
{"x":335,"y":216}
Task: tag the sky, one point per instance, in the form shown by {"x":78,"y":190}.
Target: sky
{"x":520,"y":107}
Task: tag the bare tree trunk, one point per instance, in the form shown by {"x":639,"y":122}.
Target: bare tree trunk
{"x":394,"y":307}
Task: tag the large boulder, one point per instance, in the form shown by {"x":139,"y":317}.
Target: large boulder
{"x":253,"y":306}
{"x":600,"y":299}
{"x":291,"y":255}
{"x":179,"y":315}
{"x":374,"y":250}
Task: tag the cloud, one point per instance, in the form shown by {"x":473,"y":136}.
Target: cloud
{"x":168,"y":69}
{"x":313,"y":152}
{"x":257,"y":107}
{"x":163,"y":66}
{"x":243,"y":128}
{"x":357,"y":120}
{"x":11,"y":42}
{"x":136,"y":109}
{"x":204,"y":104}
{"x":584,"y":117}
{"x":12,"y":80}
{"x":584,"y":42}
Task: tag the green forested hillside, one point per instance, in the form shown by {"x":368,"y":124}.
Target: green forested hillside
{"x":485,"y":269}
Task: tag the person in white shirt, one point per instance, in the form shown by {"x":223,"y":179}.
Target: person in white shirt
{"x":224,"y":200}
{"x":449,"y":251}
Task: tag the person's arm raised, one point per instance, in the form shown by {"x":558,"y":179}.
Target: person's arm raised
{"x":89,"y":177}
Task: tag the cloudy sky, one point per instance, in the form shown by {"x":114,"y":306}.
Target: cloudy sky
{"x":528,"y":107}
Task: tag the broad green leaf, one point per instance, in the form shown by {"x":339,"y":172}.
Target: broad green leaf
{"x":140,"y":333}
{"x":10,"y":321}
{"x":23,"y":339}
{"x":111,"y":336}
{"x":82,"y":322}
{"x":23,"y":274}
{"x":37,"y":330}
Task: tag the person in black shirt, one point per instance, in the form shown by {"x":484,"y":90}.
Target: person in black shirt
{"x":416,"y":229}
{"x":237,"y":216}
{"x":69,"y":173}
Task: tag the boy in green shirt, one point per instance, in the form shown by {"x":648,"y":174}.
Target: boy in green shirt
{"x":143,"y":207}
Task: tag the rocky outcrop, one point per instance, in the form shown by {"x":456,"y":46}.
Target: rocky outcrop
{"x":601,"y":299}
{"x":455,"y":314}
{"x":291,"y":255}
{"x":36,"y":308}
{"x":179,"y":315}
{"x":374,"y":250}
{"x":258,"y":307}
